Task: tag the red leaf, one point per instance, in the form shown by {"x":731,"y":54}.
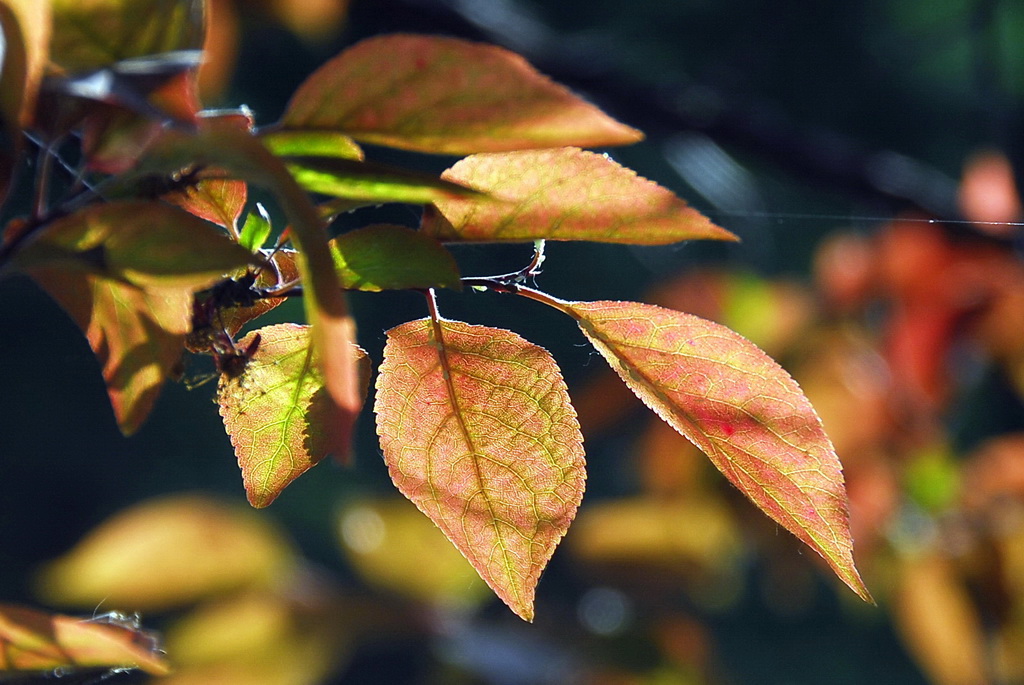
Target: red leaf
{"x":444,"y":95}
{"x":564,"y":194}
{"x":478,"y":431}
{"x":740,"y":408}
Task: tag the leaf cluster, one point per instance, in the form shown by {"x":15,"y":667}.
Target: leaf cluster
{"x":142,"y":229}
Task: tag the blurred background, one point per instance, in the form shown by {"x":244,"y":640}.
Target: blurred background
{"x":868,"y":155}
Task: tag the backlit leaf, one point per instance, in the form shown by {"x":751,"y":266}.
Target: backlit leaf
{"x":277,"y":411}
{"x":386,"y":257}
{"x":218,"y":200}
{"x":88,"y":35}
{"x":371,"y":183}
{"x":168,"y":552}
{"x":740,"y":408}
{"x":563,"y":194}
{"x":256,"y":229}
{"x":13,"y":79}
{"x":35,"y":641}
{"x":137,"y":334}
{"x":312,"y":144}
{"x":147,"y":244}
{"x":34,"y":21}
{"x":444,"y":95}
{"x":478,"y":431}
{"x":285,"y":268}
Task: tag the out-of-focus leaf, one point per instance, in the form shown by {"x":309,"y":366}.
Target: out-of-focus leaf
{"x":137,"y":334}
{"x":168,"y":552}
{"x":227,"y":143}
{"x":443,"y":95}
{"x":34,"y":24}
{"x":932,"y":477}
{"x":313,"y":20}
{"x":563,"y":194}
{"x":35,"y":641}
{"x":90,"y":35}
{"x":277,"y":411}
{"x":146,"y":244}
{"x":938,"y":622}
{"x":260,"y":639}
{"x":739,"y":407}
{"x":478,"y":431}
{"x":366,"y":182}
{"x":312,"y":144}
{"x":394,"y":547}
{"x":386,"y":257}
{"x":218,"y":200}
{"x":988,"y":193}
{"x":13,"y":81}
{"x":220,"y":49}
{"x":256,"y":229}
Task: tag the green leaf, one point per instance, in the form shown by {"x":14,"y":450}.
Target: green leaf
{"x":478,"y":431}
{"x":277,"y":412}
{"x":256,"y":229}
{"x":53,"y":643}
{"x":444,"y":95}
{"x":148,"y":244}
{"x":740,"y":408}
{"x":371,"y":183}
{"x":386,"y":257}
{"x":312,"y":144}
{"x":137,"y":334}
{"x":89,"y":35}
{"x":564,"y":194}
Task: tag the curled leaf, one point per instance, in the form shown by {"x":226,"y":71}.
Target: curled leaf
{"x":563,"y":194}
{"x":277,"y":412}
{"x":740,"y":408}
{"x":478,"y":431}
{"x":444,"y":95}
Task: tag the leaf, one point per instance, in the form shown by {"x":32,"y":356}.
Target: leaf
{"x":312,"y":144}
{"x":386,"y":257}
{"x":137,"y":334}
{"x":89,"y":35}
{"x":277,"y":411}
{"x":36,"y":641}
{"x":444,"y":95}
{"x":147,"y":244}
{"x":256,"y":229}
{"x":34,"y":23}
{"x":564,"y":194}
{"x":371,"y":183}
{"x":168,"y":552}
{"x":740,"y":408}
{"x":478,"y":431}
{"x":218,"y":200}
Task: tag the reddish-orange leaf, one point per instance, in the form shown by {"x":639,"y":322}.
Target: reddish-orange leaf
{"x":444,"y":95}
{"x":35,"y":641}
{"x":219,"y":200}
{"x":137,"y":334}
{"x":739,"y":407}
{"x":563,"y":194}
{"x":277,"y":412}
{"x":478,"y":431}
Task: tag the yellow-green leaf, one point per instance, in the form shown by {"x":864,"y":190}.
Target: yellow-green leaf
{"x":277,"y":412}
{"x":386,"y":257}
{"x":95,"y":33}
{"x":312,"y":144}
{"x":563,"y":194}
{"x":478,"y":431}
{"x":740,"y":408}
{"x":147,"y":244}
{"x":443,"y":95}
{"x":32,"y":640}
